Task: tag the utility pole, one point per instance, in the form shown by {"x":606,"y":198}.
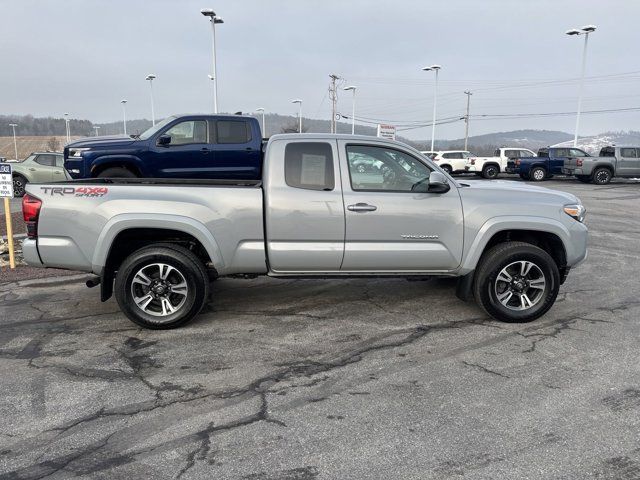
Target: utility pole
{"x":333,"y":96}
{"x":15,"y":144}
{"x":466,"y":119}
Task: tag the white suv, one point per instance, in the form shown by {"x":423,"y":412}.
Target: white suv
{"x":453,"y":161}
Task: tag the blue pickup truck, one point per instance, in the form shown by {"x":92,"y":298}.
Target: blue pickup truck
{"x":185,"y":146}
{"x":548,"y":163}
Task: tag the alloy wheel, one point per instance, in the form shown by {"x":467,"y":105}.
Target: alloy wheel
{"x":520,"y":285}
{"x":159,"y":289}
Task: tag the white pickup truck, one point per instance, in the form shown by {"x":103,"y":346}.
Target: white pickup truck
{"x":156,"y":243}
{"x":491,"y":167}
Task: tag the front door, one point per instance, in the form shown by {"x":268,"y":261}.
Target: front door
{"x":187,"y":155}
{"x":389,"y":227}
{"x":44,"y":171}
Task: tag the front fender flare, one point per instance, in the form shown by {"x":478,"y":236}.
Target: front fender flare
{"x":512,"y":222}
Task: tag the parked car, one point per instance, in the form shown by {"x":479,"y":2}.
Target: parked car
{"x":613,"y":161}
{"x":549,"y":162}
{"x":186,"y":146}
{"x":490,"y":167}
{"x":453,"y":161}
{"x":312,"y":214}
{"x":39,"y":167}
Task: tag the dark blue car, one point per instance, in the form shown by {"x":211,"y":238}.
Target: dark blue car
{"x":185,"y":146}
{"x":548,"y":163}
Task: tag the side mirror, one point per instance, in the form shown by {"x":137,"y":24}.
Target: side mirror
{"x":438,"y":183}
{"x":164,"y":140}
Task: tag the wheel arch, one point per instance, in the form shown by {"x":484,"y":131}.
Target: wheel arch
{"x":129,"y":162}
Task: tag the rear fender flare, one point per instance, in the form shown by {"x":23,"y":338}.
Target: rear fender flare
{"x":125,"y":221}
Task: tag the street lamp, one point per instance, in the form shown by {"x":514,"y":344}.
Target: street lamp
{"x":151,"y":77}
{"x":15,"y":144}
{"x":96,"y":127}
{"x":353,"y":108}
{"x":264,"y":126}
{"x":208,"y":12}
{"x":299,"y":102}
{"x":435,"y":68}
{"x":124,"y":115}
{"x":66,"y":124}
{"x":586,"y":30}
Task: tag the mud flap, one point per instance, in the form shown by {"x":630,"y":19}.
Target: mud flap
{"x":464,"y":288}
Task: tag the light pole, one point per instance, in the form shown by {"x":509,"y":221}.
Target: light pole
{"x":466,"y":119}
{"x":124,"y":115}
{"x":96,"y":127}
{"x":586,"y":30}
{"x":299,"y":102}
{"x":264,"y":125}
{"x":435,"y":68}
{"x":66,"y":125}
{"x":151,"y":77}
{"x":208,"y":12}
{"x":353,"y":108}
{"x":212,"y":78}
{"x":15,"y":144}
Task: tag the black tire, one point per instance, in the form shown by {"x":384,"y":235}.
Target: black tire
{"x":537,"y":174}
{"x":490,"y":172}
{"x":602,"y":176}
{"x":117,"y":172}
{"x":524,"y":177}
{"x":19,"y":185}
{"x":447,"y":169}
{"x":487,"y":286}
{"x":188,"y":270}
{"x":583,"y":178}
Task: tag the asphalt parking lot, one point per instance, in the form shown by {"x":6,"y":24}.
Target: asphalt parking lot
{"x":327,"y":379}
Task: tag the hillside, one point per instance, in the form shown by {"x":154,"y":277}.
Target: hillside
{"x":594,"y":143}
{"x":29,"y":144}
{"x":532,"y":139}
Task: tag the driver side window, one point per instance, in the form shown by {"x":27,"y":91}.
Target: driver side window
{"x":184,"y":133}
{"x":384,"y":169}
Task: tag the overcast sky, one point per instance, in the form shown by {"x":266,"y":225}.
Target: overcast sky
{"x":84,"y":56}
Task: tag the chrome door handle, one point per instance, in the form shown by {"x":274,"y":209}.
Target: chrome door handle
{"x":362,"y":207}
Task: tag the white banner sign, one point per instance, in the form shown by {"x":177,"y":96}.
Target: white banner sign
{"x":6,"y":181}
{"x":387,"y":131}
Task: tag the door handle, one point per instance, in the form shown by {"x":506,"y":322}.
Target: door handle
{"x":362,"y":207}
{"x":57,"y":173}
{"x":32,"y":169}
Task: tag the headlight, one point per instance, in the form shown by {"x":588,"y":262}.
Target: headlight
{"x":576,"y":211}
{"x":77,"y":152}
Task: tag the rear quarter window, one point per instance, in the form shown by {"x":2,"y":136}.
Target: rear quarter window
{"x":628,"y":152}
{"x":309,"y":165}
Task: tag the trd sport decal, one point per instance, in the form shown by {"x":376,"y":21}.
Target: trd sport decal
{"x":76,"y":191}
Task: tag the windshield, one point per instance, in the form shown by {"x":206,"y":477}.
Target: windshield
{"x":158,"y":126}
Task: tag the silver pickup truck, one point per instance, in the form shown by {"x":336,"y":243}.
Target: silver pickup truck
{"x":157,"y":243}
{"x":613,"y":161}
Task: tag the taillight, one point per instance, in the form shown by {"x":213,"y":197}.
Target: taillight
{"x":518,"y":162}
{"x":30,"y":212}
{"x":579,"y":162}
{"x":473,"y":161}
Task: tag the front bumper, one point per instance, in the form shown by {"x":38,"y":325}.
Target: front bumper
{"x":511,"y":170}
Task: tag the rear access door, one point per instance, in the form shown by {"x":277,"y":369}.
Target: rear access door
{"x":304,"y":212}
{"x":389,"y":227}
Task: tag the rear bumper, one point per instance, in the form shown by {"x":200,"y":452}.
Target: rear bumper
{"x":572,"y":171}
{"x":30,"y":253}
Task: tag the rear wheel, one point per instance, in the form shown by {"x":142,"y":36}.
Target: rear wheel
{"x":19,"y":184}
{"x":490,"y":172}
{"x":516,"y":282}
{"x":159,"y":287}
{"x":538,"y":174}
{"x":602,"y":176}
{"x":117,"y":172}
{"x":583,"y":178}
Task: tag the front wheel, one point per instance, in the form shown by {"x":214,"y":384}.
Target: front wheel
{"x":19,"y":184}
{"x":602,"y":176}
{"x":516,"y":282}
{"x":161,"y":287}
{"x":538,"y":174}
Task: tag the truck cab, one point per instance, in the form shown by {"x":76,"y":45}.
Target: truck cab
{"x":549,"y":162}
{"x":185,"y":146}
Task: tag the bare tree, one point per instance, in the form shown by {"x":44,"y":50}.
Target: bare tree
{"x":293,"y":128}
{"x":53,"y":145}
